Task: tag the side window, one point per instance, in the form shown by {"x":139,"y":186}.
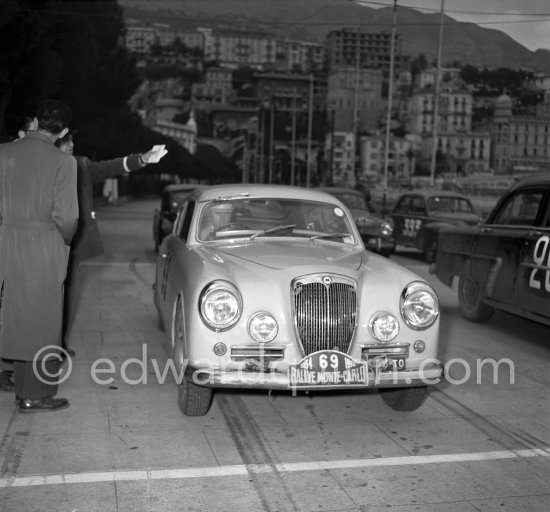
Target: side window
{"x":546,"y":216}
{"x":183,"y":222}
{"x":520,"y":209}
{"x":404,"y":204}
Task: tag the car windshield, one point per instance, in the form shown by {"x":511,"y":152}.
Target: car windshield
{"x":257,"y":218}
{"x":449,"y":205}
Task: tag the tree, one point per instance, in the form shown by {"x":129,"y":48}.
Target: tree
{"x":70,"y":51}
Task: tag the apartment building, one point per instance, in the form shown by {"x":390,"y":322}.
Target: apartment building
{"x":216,"y":88}
{"x":234,"y":49}
{"x":300,"y":56}
{"x":350,"y":47}
{"x":520,"y":144}
{"x":355,"y":97}
{"x":139,"y":38}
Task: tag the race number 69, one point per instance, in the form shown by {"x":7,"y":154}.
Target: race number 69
{"x":541,"y":254}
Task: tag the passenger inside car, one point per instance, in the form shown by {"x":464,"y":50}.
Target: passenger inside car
{"x":216,"y":216}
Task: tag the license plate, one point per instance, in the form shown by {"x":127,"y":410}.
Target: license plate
{"x":386,"y":363}
{"x":327,"y":368}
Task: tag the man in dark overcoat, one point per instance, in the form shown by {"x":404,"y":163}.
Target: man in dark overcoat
{"x":87,"y":240}
{"x":39,"y":213}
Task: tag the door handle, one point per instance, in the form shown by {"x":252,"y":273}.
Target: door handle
{"x":486,"y":230}
{"x":535,"y":233}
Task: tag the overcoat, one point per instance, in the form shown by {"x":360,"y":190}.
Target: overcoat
{"x":87,"y":241}
{"x":39,"y":212}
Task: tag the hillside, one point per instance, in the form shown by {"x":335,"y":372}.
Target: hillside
{"x":312,"y":20}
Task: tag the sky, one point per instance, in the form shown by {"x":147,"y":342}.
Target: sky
{"x":527,"y":21}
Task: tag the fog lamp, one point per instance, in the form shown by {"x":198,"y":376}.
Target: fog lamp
{"x":262,"y":327}
{"x":220,"y":349}
{"x":419,"y":346}
{"x":384,"y":326}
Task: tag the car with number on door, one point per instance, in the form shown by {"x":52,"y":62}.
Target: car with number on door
{"x":419,"y":216}
{"x":504,"y":262}
{"x":270,"y":287}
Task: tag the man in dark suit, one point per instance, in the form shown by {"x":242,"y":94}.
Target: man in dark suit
{"x":39,"y":212}
{"x":87,"y":240}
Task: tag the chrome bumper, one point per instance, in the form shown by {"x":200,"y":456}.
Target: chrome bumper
{"x":429,"y":375}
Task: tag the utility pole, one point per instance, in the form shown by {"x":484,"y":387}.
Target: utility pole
{"x":309,"y":131}
{"x":390,"y":107}
{"x":293,"y":148}
{"x":355,"y":103}
{"x":332,"y":127}
{"x":271,"y":140}
{"x":436,"y":97}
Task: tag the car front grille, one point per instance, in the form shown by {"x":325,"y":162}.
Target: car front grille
{"x":325,"y":312}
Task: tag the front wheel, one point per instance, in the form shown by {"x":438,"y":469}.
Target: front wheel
{"x":193,"y":400}
{"x":470,"y":300}
{"x":404,"y":399}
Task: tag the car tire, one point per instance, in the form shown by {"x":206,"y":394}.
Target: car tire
{"x":404,"y":399}
{"x":193,"y":400}
{"x":470,"y":300}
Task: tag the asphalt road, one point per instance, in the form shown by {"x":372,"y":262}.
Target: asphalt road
{"x":122,"y":445}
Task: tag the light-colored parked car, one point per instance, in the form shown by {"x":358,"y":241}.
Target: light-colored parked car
{"x":271,"y":287}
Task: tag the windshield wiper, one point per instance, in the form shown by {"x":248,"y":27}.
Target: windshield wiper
{"x":275,"y":229}
{"x":329,"y":235}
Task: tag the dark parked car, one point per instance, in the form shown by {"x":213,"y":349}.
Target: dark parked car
{"x":418,"y":216}
{"x":171,"y":200}
{"x":376,"y":233}
{"x":504,"y":262}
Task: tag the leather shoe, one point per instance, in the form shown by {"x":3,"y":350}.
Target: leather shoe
{"x":6,"y":381}
{"x":42,"y":404}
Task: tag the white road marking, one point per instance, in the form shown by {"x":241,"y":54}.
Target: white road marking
{"x":246,"y":469}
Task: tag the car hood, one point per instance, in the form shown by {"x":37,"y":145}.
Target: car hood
{"x":289,"y":254}
{"x":368,"y":217}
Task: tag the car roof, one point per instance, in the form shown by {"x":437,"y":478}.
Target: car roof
{"x":433,"y":193}
{"x":341,"y":190}
{"x":182,"y":187}
{"x":242,"y":190}
{"x":541,"y":179}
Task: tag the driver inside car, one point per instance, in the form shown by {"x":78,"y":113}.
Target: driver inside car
{"x":216,"y":216}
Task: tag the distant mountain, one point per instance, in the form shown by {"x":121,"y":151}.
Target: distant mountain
{"x":312,"y":20}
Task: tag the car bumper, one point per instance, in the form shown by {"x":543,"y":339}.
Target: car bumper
{"x":430,"y":374}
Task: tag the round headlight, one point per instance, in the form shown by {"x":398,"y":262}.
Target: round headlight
{"x":419,"y":305}
{"x":262,"y":327}
{"x":384,"y":326}
{"x":220,"y":305}
{"x":386,"y":228}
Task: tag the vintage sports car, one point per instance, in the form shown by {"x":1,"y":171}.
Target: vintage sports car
{"x":165,"y":215}
{"x":418,"y":217}
{"x":270,"y":287}
{"x":504,"y":263}
{"x":376,"y":233}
